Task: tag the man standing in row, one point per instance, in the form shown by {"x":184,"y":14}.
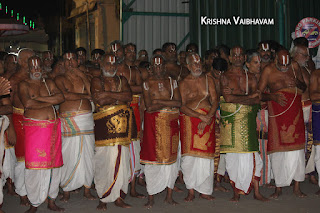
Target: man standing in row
{"x":197,"y":122}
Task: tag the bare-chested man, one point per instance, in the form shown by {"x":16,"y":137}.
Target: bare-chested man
{"x":10,"y":65}
{"x":113,"y":133}
{"x":162,"y":98}
{"x":286,"y":132}
{"x":47,"y":60}
{"x":77,"y":136}
{"x":17,"y":118}
{"x":265,"y":54}
{"x":209,"y":56}
{"x":43,"y":157}
{"x":197,"y":121}
{"x":314,"y":89}
{"x":175,"y":71}
{"x":142,"y":56}
{"x":117,"y":49}
{"x":300,"y":54}
{"x":238,"y":111}
{"x":182,"y":58}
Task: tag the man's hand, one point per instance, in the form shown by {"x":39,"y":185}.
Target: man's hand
{"x":201,"y":126}
{"x":280,"y":99}
{"x":227,"y":91}
{"x":4,"y":86}
{"x":205,"y":118}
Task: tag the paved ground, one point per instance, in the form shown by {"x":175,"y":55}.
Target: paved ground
{"x":286,"y":203}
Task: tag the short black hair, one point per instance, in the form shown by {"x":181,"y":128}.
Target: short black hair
{"x":81,"y":49}
{"x":301,"y":41}
{"x":99,"y":51}
{"x":224,"y":48}
{"x":192,"y":45}
{"x":166,"y":45}
{"x":220,"y":64}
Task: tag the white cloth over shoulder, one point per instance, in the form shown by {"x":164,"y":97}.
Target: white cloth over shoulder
{"x":198,"y":174}
{"x":4,"y":122}
{"x":159,"y":177}
{"x":105,"y":167}
{"x":288,"y":166}
{"x":240,"y":167}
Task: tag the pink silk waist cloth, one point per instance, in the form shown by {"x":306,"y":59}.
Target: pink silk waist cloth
{"x":42,"y":143}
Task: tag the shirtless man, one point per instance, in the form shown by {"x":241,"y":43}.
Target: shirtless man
{"x":169,"y":52}
{"x":142,"y":56}
{"x":182,"y":58}
{"x":82,"y":56}
{"x":162,"y":97}
{"x":238,"y":110}
{"x":42,"y":136}
{"x":76,"y":89}
{"x":192,"y":48}
{"x":47,"y":60}
{"x":18,"y":110}
{"x":111,"y":94}
{"x":199,"y":105}
{"x":285,"y":82}
{"x":10,"y":65}
{"x":132,"y":74}
{"x":265,"y":54}
{"x":315,"y":98}
{"x":116,"y":48}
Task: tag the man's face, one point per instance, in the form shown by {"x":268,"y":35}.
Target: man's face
{"x":81,"y":57}
{"x":35,"y":69}
{"x":143,"y":56}
{"x":254,"y":65}
{"x":96,"y":58}
{"x":265,"y":52}
{"x":109,"y":66}
{"x":210,"y":59}
{"x":117,"y":51}
{"x":47,"y":59}
{"x":302,"y":56}
{"x":283,"y":61}
{"x":24,"y":57}
{"x":192,"y":49}
{"x":130,"y":53}
{"x":182,"y":57}
{"x":195,"y":65}
{"x":70,"y":61}
{"x":11,"y":63}
{"x":237,"y":57}
{"x":158,"y":66}
{"x":171,"y":53}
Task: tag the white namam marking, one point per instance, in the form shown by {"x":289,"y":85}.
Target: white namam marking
{"x":157,"y":61}
{"x":114,"y":48}
{"x":265,"y":47}
{"x":96,"y":56}
{"x":285,"y":60}
{"x":112,"y":59}
{"x":173,"y":48}
{"x":69,"y":56}
{"x":196,"y":59}
{"x":15,"y":59}
{"x":145,"y":86}
{"x":79,"y":53}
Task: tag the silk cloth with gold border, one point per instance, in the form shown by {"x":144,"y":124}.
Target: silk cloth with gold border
{"x":160,"y":137}
{"x":193,"y":142}
{"x":316,"y":123}
{"x":238,"y":128}
{"x":135,"y":104}
{"x":114,"y":125}
{"x":43,"y":143}
{"x":286,"y":129}
{"x":17,"y":120}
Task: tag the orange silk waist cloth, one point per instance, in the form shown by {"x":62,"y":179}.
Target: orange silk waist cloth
{"x":43,"y":144}
{"x":17,"y":119}
{"x":135,"y":104}
{"x":286,"y":129}
{"x":160,"y":137}
{"x":114,"y":125}
{"x":195,"y":142}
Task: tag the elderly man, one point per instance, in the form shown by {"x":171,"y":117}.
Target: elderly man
{"x":161,"y":131}
{"x":17,"y":119}
{"x":239,"y":141}
{"x":10,"y":65}
{"x":199,"y":105}
{"x":286,"y":130}
{"x":265,"y":54}
{"x":77,"y":129}
{"x":42,"y":129}
{"x":47,"y":60}
{"x":116,"y":47}
{"x":114,"y":129}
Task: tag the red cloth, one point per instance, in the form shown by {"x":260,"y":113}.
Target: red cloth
{"x":135,"y":107}
{"x":18,"y":127}
{"x":193,"y":142}
{"x":160,"y":138}
{"x":286,"y":132}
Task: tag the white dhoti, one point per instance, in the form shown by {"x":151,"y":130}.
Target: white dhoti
{"x":19,"y":179}
{"x":78,"y":144}
{"x":159,"y":177}
{"x":9,"y":163}
{"x":222,"y":165}
{"x":42,"y":183}
{"x":112,"y":172}
{"x":309,"y":150}
{"x":317,"y":160}
{"x":135,"y":158}
{"x":198,"y":174}
{"x":288,"y":166}
{"x":243,"y":168}
{"x":4,"y":123}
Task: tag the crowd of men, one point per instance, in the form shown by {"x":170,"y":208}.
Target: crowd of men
{"x":116,"y":120}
